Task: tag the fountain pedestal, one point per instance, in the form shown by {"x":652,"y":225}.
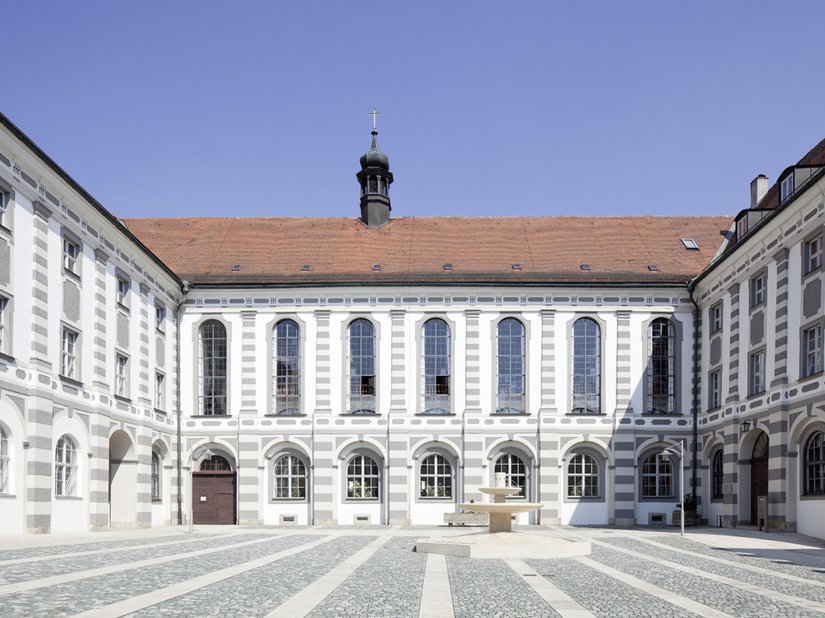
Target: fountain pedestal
{"x":501,"y":512}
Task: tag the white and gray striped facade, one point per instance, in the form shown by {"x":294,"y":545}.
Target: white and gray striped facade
{"x":136,"y":386}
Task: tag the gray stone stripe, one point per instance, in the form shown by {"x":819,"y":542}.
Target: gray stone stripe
{"x":563,"y":604}
{"x":436,"y":596}
{"x":665,"y":595}
{"x":76,"y":575}
{"x":310,"y":597}
{"x":142,"y":601}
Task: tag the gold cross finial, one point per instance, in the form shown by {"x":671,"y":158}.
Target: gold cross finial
{"x":374,"y":115}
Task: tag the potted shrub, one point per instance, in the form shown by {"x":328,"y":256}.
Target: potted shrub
{"x":690,"y":511}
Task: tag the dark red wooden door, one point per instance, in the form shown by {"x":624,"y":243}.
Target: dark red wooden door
{"x":759,"y":485}
{"x":213,"y":498}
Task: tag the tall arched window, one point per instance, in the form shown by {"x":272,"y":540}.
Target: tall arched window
{"x":361,"y":367}
{"x":718,"y":472}
{"x":65,"y":467}
{"x":436,"y":477}
{"x":286,"y":369}
{"x":583,"y":476}
{"x":587,"y":367}
{"x":362,"y":478}
{"x":657,"y":477}
{"x":436,"y":367}
{"x":661,"y":368}
{"x":212,"y":368}
{"x":5,"y":461}
{"x":510,"y":366}
{"x":815,"y":464}
{"x":156,"y":468}
{"x":515,"y":472}
{"x":289,"y":478}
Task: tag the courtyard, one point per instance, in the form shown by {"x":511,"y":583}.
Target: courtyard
{"x":373,"y":571}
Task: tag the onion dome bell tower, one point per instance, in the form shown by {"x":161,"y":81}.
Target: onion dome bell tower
{"x":375,"y":179}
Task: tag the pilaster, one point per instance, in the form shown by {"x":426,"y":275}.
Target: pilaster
{"x":472,"y":359}
{"x":99,"y":358}
{"x":323,"y":392}
{"x":250,"y":405}
{"x":40,"y":288}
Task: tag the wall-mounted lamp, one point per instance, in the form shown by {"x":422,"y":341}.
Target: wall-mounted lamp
{"x":745,"y":426}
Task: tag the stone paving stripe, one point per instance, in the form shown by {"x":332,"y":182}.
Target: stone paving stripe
{"x":661,"y":593}
{"x":436,"y":597}
{"x":305,"y":601}
{"x":566,"y":606}
{"x":733,"y":583}
{"x":69,"y":577}
{"x":143,"y":601}
{"x":740,"y":565}
{"x":109,"y":550}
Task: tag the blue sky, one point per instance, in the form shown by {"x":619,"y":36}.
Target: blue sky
{"x":259,"y":108}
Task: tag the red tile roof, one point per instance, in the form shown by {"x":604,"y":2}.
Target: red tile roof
{"x":411,"y":250}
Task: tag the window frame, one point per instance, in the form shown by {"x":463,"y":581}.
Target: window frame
{"x":584,"y":456}
{"x":287,"y":403}
{"x":6,"y":330}
{"x":438,"y":361}
{"x":121,"y":375}
{"x":355,"y":372}
{"x":716,"y":317}
{"x":294,"y":480}
{"x":812,"y":254}
{"x":756,"y":372}
{"x":6,"y":475}
{"x":160,"y":391}
{"x":440,"y":468}
{"x":71,"y":254}
{"x":351,"y":478}
{"x":156,"y":477}
{"x":215,"y":378}
{"x":504,"y":382}
{"x":715,"y":389}
{"x":123,"y":288}
{"x":160,"y":318}
{"x":524,"y":463}
{"x":806,"y":370}
{"x":69,"y":353}
{"x":7,"y":200}
{"x":758,"y":290}
{"x":672,"y":373}
{"x":599,"y":352}
{"x":658,"y":474}
{"x":66,"y":467}
{"x":813,"y":465}
{"x":717,"y":474}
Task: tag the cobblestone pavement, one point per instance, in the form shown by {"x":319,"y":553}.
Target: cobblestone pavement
{"x":373,"y":571}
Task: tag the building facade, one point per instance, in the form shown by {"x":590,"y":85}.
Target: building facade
{"x":381,"y":369}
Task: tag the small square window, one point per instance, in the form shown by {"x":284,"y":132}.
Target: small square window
{"x":121,"y":375}
{"x":123,"y":287}
{"x":812,"y":351}
{"x":812,"y":254}
{"x":71,"y":255}
{"x":757,"y":373}
{"x":160,"y":391}
{"x":160,"y":317}
{"x":714,"y":389}
{"x":759,"y":287}
{"x":716,"y":318}
{"x":68,"y":357}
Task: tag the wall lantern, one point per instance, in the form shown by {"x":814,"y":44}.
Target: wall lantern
{"x":745,"y":427}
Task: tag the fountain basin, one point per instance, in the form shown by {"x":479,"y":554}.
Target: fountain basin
{"x":501,"y":512}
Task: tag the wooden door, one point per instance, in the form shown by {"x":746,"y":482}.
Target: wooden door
{"x":213,"y":498}
{"x":759,"y":485}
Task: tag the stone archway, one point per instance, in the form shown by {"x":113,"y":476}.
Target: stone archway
{"x":122,"y":481}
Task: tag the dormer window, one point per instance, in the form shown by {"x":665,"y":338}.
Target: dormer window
{"x":786,"y":187}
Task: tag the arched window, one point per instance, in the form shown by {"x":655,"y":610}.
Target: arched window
{"x":156,"y":468}
{"x":361,"y":367}
{"x":510,"y":366}
{"x":657,"y":477}
{"x":5,"y":462}
{"x":216,"y":463}
{"x":661,"y":368}
{"x":289,"y":478}
{"x":436,"y":477}
{"x":286,"y":369}
{"x":815,"y":464}
{"x":515,"y":472}
{"x":65,"y":467}
{"x":718,"y":472}
{"x":761,"y":446}
{"x":212,"y":367}
{"x":436,"y":367}
{"x":583,"y":476}
{"x":362,"y":478}
{"x":587,"y":367}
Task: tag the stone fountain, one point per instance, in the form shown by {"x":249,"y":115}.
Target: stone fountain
{"x":500,"y":541}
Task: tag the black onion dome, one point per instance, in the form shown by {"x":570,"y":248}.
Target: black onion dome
{"x":374,"y":157}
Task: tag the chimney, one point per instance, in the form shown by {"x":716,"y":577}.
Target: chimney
{"x":759,"y":187}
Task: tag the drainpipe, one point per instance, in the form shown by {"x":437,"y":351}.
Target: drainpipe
{"x":697,"y":314}
{"x":178,"y":313}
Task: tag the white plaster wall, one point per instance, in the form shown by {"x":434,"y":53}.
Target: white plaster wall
{"x":12,"y":505}
{"x":430,"y":513}
{"x":584,"y":513}
{"x":809,"y":519}
{"x":643,"y":509}
{"x":71,"y":513}
{"x":348,"y":510}
{"x":714,"y":511}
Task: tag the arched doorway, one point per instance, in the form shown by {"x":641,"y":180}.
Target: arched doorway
{"x":759,"y":474}
{"x":213,"y":492}
{"x":122,"y":481}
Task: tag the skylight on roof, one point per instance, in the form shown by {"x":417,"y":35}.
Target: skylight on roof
{"x":516,"y":266}
{"x":236,"y":268}
{"x":690,"y":244}
{"x":448,"y":266}
{"x":585,"y":266}
{"x":376,"y":266}
{"x":306,"y":267}
{"x":653,"y":268}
